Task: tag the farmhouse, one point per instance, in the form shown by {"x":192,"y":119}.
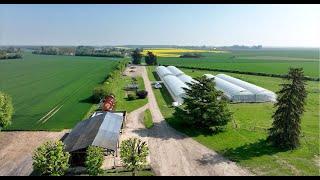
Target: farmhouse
{"x":261,"y":94}
{"x":102,"y":130}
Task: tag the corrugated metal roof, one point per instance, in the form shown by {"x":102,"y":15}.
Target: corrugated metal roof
{"x":108,"y":133}
{"x":101,"y":130}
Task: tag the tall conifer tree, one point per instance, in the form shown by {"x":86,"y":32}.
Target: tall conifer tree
{"x":286,"y":126}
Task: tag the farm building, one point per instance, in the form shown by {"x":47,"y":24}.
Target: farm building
{"x":175,"y":87}
{"x":162,"y":72}
{"x":102,"y":130}
{"x":261,"y":94}
{"x":231,"y":91}
{"x":175,"y":71}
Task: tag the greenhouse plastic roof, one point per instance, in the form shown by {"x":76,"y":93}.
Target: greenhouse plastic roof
{"x":175,"y":71}
{"x":228,"y":88}
{"x":261,"y":94}
{"x":186,"y":79}
{"x":250,"y":87}
{"x":163,"y":71}
{"x":174,"y":85}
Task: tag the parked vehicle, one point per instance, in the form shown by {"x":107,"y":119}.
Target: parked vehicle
{"x":108,"y":103}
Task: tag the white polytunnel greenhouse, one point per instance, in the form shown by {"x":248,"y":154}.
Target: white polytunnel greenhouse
{"x":175,"y":87}
{"x":162,"y":72}
{"x":175,"y":71}
{"x":186,"y":79}
{"x":261,"y":94}
{"x":231,"y":91}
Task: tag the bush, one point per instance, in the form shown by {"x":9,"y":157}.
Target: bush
{"x":133,"y":153}
{"x":147,"y":119}
{"x":51,"y":159}
{"x":191,"y":55}
{"x":97,"y":93}
{"x":94,"y":160}
{"x":6,"y":110}
{"x":142,"y":94}
{"x":100,"y":92}
{"x":131,"y":97}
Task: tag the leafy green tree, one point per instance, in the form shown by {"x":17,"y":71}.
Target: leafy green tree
{"x":94,"y":160}
{"x":136,"y":56}
{"x":50,"y":159}
{"x":102,"y":91}
{"x":291,"y":98}
{"x":6,"y":110}
{"x":204,"y":106}
{"x":151,"y":59}
{"x":133,"y":153}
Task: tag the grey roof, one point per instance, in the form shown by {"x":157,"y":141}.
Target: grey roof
{"x":102,"y":130}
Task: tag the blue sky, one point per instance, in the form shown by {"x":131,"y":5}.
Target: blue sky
{"x":269,"y":25}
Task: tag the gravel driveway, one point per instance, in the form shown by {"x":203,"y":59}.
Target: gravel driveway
{"x":16,"y":150}
{"x":171,"y":152}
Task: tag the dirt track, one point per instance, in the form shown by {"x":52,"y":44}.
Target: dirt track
{"x":16,"y":150}
{"x":172,"y":153}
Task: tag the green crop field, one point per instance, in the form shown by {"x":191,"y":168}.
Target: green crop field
{"x":51,"y":92}
{"x":244,"y":139}
{"x":272,"y":61}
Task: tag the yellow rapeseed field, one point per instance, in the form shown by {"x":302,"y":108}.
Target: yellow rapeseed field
{"x":174,"y":52}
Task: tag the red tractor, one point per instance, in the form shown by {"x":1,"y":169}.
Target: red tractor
{"x":109,"y":103}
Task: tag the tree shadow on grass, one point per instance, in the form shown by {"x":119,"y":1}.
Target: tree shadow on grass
{"x":88,"y":100}
{"x":166,"y":96}
{"x":260,"y":148}
{"x":211,"y":159}
{"x":155,"y":75}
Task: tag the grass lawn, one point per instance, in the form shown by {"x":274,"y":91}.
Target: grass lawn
{"x":51,"y":92}
{"x":244,"y":139}
{"x":147,"y":119}
{"x":123,"y":104}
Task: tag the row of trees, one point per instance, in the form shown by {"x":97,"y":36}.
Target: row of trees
{"x":51,"y":159}
{"x":191,"y":55}
{"x":82,"y":51}
{"x":150,"y":58}
{"x":108,"y":86}
{"x":10,"y":53}
{"x":205,"y":108}
{"x":51,"y":50}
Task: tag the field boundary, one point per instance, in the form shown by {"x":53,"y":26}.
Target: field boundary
{"x":242,"y":72}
